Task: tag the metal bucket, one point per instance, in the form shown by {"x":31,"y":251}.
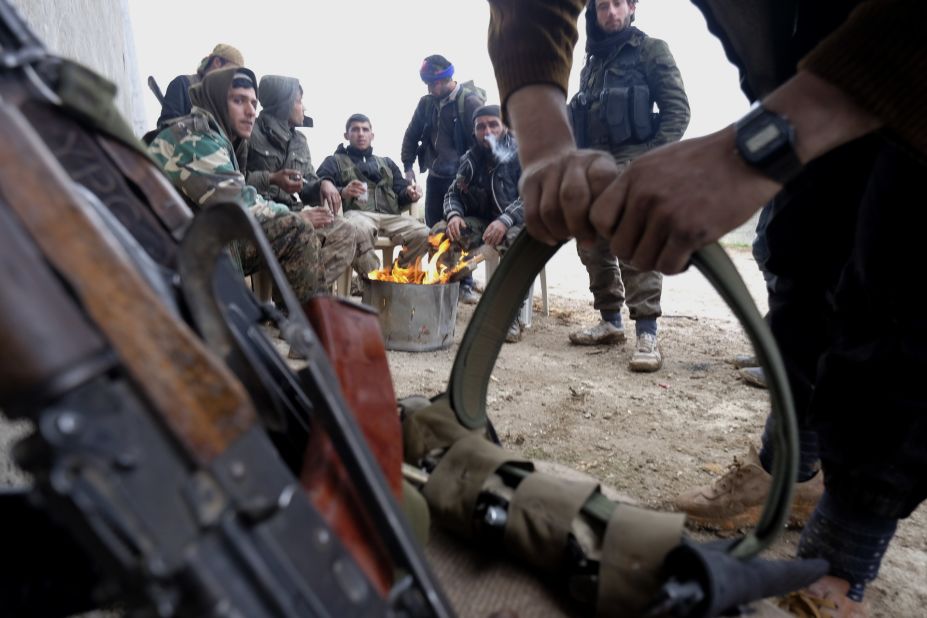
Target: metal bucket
{"x":414,"y":318}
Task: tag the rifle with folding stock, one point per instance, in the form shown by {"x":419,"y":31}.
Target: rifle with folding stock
{"x":169,"y":457}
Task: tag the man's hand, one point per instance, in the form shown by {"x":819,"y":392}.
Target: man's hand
{"x":559,"y":182}
{"x":329,"y":193}
{"x":353,"y":189}
{"x":495,"y":233}
{"x":410,"y":175}
{"x":414,"y":192}
{"x":558,"y":191}
{"x":454,"y":228}
{"x":291,"y":181}
{"x":678,"y":198}
{"x":317,"y":216}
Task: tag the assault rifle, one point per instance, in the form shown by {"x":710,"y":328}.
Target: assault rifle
{"x":167,"y":450}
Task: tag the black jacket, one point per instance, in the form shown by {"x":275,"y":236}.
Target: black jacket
{"x":487,"y":187}
{"x":437,"y":135}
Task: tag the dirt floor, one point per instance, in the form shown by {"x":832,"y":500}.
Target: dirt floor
{"x":650,"y":436}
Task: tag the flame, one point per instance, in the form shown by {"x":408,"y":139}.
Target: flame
{"x":427,"y":269}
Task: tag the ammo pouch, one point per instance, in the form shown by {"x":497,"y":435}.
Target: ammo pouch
{"x":626,"y":112}
{"x":619,"y":115}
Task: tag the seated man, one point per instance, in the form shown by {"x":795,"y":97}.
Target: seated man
{"x":177,"y":96}
{"x":482,"y":205}
{"x":374,"y":192}
{"x":279,"y":166}
{"x":197,"y":153}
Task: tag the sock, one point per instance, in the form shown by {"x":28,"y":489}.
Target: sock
{"x":646,"y":325}
{"x":612,"y":316}
{"x":853,"y":542}
{"x":809,"y":460}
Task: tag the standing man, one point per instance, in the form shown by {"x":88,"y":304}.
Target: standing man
{"x":844,"y":122}
{"x":280,"y":167}
{"x":373,"y":192}
{"x":177,"y":97}
{"x":625,"y":74}
{"x":440,"y":131}
{"x":482,"y":206}
{"x":197,"y":153}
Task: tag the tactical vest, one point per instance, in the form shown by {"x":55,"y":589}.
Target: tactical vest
{"x":380,"y":196}
{"x":614,"y":106}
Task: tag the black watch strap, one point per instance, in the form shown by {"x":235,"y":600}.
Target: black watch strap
{"x":766,"y":141}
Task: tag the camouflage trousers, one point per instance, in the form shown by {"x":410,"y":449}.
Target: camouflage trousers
{"x":339,"y":248}
{"x":403,"y":230}
{"x":614,"y":283}
{"x":298,"y":249}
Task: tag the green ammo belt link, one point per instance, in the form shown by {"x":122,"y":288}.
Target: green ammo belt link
{"x":499,"y":305}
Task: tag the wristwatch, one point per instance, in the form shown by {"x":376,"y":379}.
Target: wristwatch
{"x":766,"y":141}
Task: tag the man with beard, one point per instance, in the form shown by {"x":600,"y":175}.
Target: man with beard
{"x":482,"y":205}
{"x":280,"y":167}
{"x":373,"y":191}
{"x":625,"y":74}
{"x":198,"y":154}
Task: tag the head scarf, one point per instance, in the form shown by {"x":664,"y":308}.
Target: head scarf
{"x":599,"y":42}
{"x":435,"y":68}
{"x":277,"y":96}
{"x":486,"y":110}
{"x":226,"y":52}
{"x":212,"y":94}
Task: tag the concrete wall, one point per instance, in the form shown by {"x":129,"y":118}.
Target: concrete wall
{"x":98,"y":34}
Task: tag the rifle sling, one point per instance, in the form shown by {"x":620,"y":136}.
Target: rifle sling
{"x":483,"y":339}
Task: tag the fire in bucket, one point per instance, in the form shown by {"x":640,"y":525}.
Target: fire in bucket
{"x":437,"y":268}
{"x":418,"y":304}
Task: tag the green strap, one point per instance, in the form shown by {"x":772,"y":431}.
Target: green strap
{"x":485,"y":334}
{"x":636,"y":543}
{"x":454,"y":486}
{"x":541,"y":515}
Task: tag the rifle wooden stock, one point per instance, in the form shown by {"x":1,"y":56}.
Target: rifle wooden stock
{"x":353,"y":342}
{"x":196,"y":396}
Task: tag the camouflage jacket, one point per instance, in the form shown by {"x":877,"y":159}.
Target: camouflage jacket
{"x":200,"y":161}
{"x":274,"y":146}
{"x":641,"y":60}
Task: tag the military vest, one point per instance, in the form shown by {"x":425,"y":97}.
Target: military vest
{"x":614,"y":106}
{"x":381,"y":197}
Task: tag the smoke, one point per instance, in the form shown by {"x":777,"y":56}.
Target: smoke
{"x":504,"y":151}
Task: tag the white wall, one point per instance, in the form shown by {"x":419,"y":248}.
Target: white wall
{"x":98,"y":34}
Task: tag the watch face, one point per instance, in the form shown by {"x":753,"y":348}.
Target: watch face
{"x":763,"y":138}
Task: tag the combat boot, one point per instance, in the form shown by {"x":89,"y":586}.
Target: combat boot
{"x":601,"y":334}
{"x":646,"y":357}
{"x":825,"y":598}
{"x":736,"y":499}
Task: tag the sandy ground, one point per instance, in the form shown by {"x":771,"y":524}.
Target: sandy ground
{"x":650,"y":436}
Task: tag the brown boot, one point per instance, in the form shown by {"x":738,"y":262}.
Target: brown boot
{"x":825,"y":598}
{"x":736,"y":499}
